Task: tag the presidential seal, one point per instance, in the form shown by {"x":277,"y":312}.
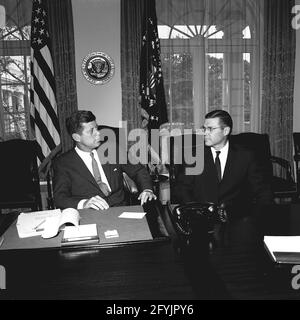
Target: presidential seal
{"x":98,"y":67}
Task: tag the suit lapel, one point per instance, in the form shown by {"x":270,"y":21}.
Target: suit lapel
{"x":229,"y":164}
{"x":211,"y":164}
{"x":210,"y":183}
{"x":107,"y":170}
{"x":83,"y":170}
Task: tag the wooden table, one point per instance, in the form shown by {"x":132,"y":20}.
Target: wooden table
{"x":237,"y":268}
{"x":144,"y":270}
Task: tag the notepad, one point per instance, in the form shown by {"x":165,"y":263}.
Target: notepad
{"x":132,"y":215}
{"x":80,"y":234}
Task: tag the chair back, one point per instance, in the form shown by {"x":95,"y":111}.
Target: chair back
{"x":260,"y":145}
{"x":20,"y":187}
{"x":283,"y":185}
{"x":107,"y":132}
{"x":296,"y":139}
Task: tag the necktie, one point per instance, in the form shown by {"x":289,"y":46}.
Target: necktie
{"x":103,"y":187}
{"x":218,"y":165}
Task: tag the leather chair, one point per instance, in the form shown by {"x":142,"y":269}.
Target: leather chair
{"x":20,"y":185}
{"x":283,"y":186}
{"x":130,"y":186}
{"x":178,"y":148}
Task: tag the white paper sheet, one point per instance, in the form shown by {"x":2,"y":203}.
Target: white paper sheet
{"x":80,"y":232}
{"x":132,"y":215}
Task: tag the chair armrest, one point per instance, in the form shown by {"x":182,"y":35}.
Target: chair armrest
{"x":284,"y":164}
{"x":129,"y":184}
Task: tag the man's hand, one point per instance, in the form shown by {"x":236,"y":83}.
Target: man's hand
{"x":96,"y":203}
{"x":147,"y":195}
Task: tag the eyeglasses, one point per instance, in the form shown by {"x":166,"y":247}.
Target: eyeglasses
{"x":209,"y":129}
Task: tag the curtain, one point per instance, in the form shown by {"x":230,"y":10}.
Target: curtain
{"x":131,"y":41}
{"x":278,"y":76}
{"x":63,"y":50}
{"x":211,"y":60}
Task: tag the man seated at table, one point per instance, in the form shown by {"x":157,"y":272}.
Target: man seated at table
{"x":81,"y":181}
{"x":231,"y":173}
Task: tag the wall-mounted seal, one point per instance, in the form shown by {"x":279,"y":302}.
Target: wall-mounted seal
{"x":98,"y":67}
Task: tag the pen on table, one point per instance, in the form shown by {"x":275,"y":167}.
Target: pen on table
{"x":36,"y":228}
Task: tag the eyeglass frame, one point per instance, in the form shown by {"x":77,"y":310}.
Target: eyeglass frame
{"x":210,"y":129}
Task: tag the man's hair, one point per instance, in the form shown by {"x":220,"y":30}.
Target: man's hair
{"x":224,"y":116}
{"x":76,"y":119}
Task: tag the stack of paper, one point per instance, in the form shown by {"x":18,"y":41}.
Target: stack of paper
{"x":80,"y":234}
{"x":283,"y":249}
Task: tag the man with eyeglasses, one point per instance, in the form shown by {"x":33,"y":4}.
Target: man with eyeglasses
{"x":231,"y":175}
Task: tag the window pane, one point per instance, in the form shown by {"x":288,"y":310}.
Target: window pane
{"x":215,"y":81}
{"x":13,"y":69}
{"x":13,"y":101}
{"x":178,"y":80}
{"x":17,"y":20}
{"x":14,"y":88}
{"x":14,"y":33}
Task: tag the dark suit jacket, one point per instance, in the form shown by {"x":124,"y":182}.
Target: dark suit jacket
{"x":243,"y":180}
{"x":73,"y":181}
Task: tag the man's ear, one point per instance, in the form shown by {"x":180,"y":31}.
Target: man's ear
{"x":76,"y":137}
{"x":226,"y":131}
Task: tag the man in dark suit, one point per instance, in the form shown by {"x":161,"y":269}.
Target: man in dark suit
{"x":231,"y":175}
{"x":81,"y":181}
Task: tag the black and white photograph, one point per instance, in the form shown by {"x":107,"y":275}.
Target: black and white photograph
{"x":150,"y":153}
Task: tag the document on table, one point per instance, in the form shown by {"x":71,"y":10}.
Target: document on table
{"x":283,"y":249}
{"x":82,"y":231}
{"x":45,"y":223}
{"x":132,"y":215}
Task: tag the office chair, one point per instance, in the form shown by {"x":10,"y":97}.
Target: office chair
{"x":283,"y":186}
{"x":296,"y":139}
{"x":130,"y":187}
{"x":20,"y":185}
{"x":181,"y":149}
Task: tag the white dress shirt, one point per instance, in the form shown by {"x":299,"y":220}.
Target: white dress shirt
{"x":87,"y":159}
{"x":222,"y":156}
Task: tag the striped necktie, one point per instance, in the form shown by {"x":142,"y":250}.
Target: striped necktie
{"x":96,"y":172}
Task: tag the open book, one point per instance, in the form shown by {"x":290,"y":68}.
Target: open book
{"x":45,"y":223}
{"x":283,"y":249}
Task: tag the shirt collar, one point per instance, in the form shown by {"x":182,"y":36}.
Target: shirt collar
{"x":83,"y":154}
{"x":224,"y":150}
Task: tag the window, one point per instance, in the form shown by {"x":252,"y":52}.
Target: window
{"x":210,"y":58}
{"x":15,"y":69}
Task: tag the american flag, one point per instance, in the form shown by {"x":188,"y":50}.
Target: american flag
{"x":43,"y":111}
{"x":153,"y":103}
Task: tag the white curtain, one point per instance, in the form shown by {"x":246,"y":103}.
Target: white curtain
{"x":211,"y":56}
